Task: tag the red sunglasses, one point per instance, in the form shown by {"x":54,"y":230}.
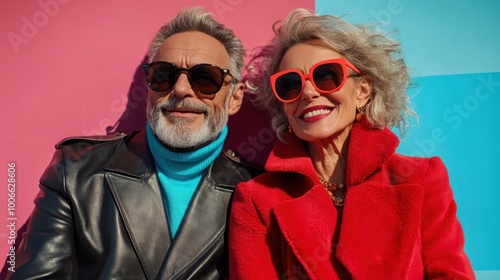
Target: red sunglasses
{"x":326,"y":77}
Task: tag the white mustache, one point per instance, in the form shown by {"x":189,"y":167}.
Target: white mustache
{"x":174,"y":102}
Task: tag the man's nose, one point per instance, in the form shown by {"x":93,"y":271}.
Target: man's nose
{"x":182,"y":87}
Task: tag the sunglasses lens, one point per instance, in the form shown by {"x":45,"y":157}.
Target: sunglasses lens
{"x":328,"y":77}
{"x":161,"y":76}
{"x":288,"y":86}
{"x":206,"y":79}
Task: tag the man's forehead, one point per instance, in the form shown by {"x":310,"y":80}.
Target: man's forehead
{"x":193,"y":47}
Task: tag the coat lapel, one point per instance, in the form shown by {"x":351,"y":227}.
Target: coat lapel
{"x":373,"y":218}
{"x":377,"y":212}
{"x":204,"y":223}
{"x":307,"y":224}
{"x":133,"y":182}
{"x":379,"y":231}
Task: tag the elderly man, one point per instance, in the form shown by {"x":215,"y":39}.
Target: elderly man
{"x":154,"y":204}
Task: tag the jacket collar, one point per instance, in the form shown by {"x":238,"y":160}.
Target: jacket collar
{"x":133,"y":158}
{"x":133,"y":181}
{"x":375,"y":214}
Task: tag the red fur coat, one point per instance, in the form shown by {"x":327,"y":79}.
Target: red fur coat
{"x":398,"y":222}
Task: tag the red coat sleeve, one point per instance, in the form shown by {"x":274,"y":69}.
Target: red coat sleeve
{"x":442,"y":235}
{"x":251,"y":246}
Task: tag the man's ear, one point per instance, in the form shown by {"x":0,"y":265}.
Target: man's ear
{"x":236,"y":99}
{"x":365,"y":90}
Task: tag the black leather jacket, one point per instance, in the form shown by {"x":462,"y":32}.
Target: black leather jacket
{"x":100,"y":215}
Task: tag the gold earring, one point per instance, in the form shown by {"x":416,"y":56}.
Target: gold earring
{"x":359,"y":113}
{"x":290,"y":129}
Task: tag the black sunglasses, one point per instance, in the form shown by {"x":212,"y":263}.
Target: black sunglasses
{"x":204,"y":78}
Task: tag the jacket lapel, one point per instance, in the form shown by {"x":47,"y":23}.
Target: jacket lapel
{"x":135,"y":187}
{"x":204,"y":223}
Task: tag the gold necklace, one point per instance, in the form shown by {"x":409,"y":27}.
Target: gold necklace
{"x":335,"y":191}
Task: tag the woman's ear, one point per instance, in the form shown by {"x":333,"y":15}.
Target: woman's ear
{"x":365,"y":90}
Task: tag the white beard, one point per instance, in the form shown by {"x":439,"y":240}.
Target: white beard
{"x":177,"y":133}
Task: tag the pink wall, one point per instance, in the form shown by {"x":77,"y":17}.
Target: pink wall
{"x":70,"y":67}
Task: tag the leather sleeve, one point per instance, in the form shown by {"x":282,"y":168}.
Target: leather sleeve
{"x":442,"y":235}
{"x":47,"y":250}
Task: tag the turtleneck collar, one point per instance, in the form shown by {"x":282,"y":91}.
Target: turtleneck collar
{"x":184,"y":165}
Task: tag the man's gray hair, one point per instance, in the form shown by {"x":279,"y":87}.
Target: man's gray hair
{"x":197,"y":19}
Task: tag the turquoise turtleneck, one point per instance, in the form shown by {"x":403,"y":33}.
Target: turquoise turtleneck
{"x":180,"y":173}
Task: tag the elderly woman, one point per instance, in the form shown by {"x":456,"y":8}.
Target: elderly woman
{"x":336,"y":201}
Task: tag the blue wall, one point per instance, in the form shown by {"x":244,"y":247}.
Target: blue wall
{"x":454,"y":49}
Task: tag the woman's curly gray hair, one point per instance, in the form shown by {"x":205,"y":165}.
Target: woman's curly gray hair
{"x":373,"y":53}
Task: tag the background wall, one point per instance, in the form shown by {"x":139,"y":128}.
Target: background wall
{"x":71,"y":67}
{"x":453,"y":48}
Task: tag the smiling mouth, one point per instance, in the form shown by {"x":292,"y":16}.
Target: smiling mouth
{"x":315,"y":113}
